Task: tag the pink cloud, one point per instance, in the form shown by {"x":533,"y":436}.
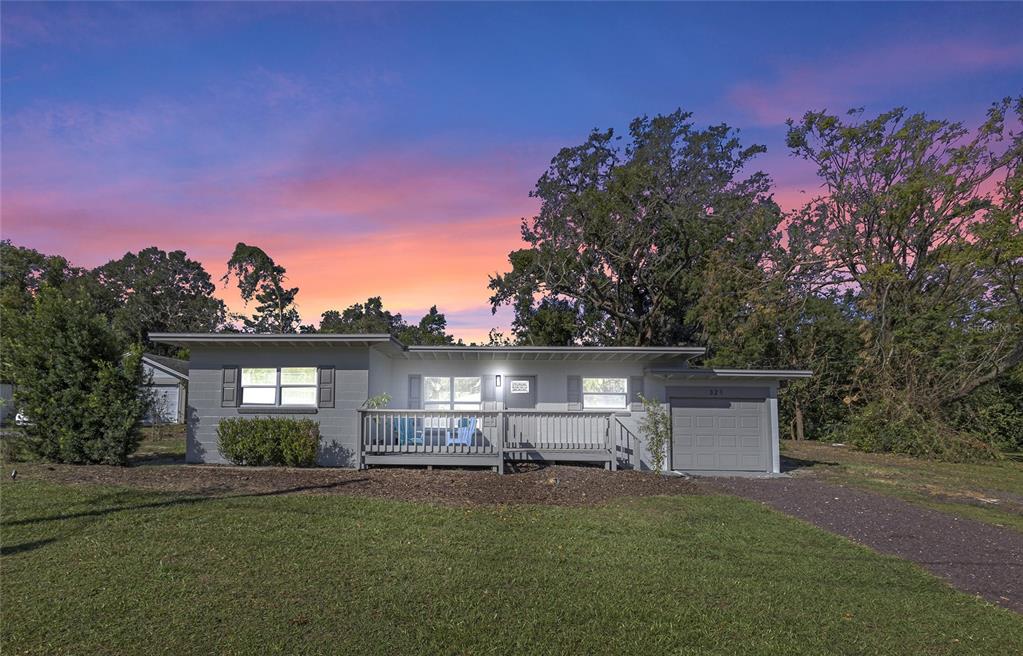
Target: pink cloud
{"x":416,"y":229}
{"x":839,"y":84}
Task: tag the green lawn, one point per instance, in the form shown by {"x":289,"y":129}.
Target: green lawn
{"x":91,"y":570}
{"x":160,"y":442}
{"x":989,"y":492}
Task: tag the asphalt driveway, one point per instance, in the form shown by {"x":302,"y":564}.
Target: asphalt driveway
{"x":975,"y":557}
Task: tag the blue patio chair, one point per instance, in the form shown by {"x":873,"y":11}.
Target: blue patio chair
{"x":466,"y":432}
{"x":407,"y":433}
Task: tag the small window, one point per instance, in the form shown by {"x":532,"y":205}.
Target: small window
{"x":605,"y":393}
{"x":285,"y":386}
{"x":452,"y":393}
{"x":437,"y":393}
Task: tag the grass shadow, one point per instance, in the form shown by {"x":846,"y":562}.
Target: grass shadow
{"x":179,"y":501}
{"x":789,"y":463}
{"x":25,"y":546}
{"x":149,"y":459}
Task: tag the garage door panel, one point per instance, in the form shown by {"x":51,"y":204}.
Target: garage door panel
{"x":164,"y":407}
{"x":719,"y":434}
{"x":728,"y":460}
{"x":750,"y":461}
{"x":685,"y":462}
{"x":705,"y":440}
{"x":704,"y":461}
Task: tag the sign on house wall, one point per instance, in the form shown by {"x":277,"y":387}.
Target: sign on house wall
{"x":520,"y":387}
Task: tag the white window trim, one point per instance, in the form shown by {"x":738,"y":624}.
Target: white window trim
{"x":451,"y":394}
{"x":583,"y":393}
{"x":277,"y":386}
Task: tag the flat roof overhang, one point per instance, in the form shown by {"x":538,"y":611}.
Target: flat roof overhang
{"x":267,"y":340}
{"x":670,"y":373}
{"x":595,"y":353}
{"x":394,"y":348}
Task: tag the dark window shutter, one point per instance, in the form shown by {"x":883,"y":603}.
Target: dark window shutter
{"x":229,"y":387}
{"x":325,"y":388}
{"x":575,"y":393}
{"x":636,"y":391}
{"x":415,"y":392}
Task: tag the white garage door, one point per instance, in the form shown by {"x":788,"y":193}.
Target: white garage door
{"x":720,"y":433}
{"x":165,"y":404}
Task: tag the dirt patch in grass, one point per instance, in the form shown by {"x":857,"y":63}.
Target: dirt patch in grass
{"x":525,"y":484}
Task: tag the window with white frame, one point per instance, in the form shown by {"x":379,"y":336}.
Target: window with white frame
{"x":285,"y":386}
{"x":452,"y":392}
{"x":605,"y":393}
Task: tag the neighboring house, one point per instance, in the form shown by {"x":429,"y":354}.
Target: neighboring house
{"x":458,"y":405}
{"x":169,"y":386}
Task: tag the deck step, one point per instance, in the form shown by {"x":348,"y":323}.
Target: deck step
{"x":454,"y":460}
{"x":556,"y":455}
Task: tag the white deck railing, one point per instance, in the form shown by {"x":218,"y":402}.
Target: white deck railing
{"x":447,"y":432}
{"x":485,"y":433}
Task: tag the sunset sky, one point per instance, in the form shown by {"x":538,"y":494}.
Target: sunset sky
{"x":389,"y":149}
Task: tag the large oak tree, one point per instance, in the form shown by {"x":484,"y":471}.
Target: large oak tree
{"x":625,"y":232}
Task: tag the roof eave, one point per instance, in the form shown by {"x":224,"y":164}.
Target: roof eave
{"x":730,"y":373}
{"x":165,"y":369}
{"x":186,"y":340}
{"x":610,"y":353}
{"x":394,"y":347}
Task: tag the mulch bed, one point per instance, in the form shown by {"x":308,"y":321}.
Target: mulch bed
{"x":973,"y":556}
{"x":526,"y":484}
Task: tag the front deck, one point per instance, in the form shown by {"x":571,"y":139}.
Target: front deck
{"x":492,"y":438}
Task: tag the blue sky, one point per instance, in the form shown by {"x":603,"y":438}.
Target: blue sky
{"x":362,"y":143}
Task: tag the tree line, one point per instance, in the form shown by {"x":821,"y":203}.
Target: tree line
{"x":72,"y":339}
{"x":899,"y":281}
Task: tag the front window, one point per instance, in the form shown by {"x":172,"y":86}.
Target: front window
{"x":286,"y":386}
{"x":452,"y":393}
{"x":605,"y":393}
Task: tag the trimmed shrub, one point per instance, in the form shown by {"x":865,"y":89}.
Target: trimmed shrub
{"x":263,"y":441}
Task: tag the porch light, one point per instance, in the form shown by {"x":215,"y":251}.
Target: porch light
{"x":498,"y":383}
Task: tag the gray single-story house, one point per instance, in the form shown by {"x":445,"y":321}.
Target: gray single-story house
{"x":465,"y":405}
{"x":168,"y":384}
